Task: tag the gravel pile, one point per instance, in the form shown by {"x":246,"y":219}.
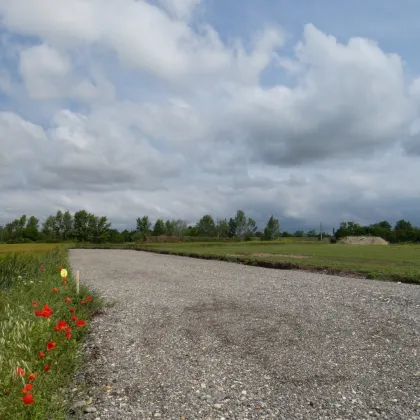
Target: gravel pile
{"x":198,"y":339}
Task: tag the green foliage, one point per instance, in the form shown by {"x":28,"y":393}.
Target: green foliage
{"x":272,"y":230}
{"x":206,"y":226}
{"x":159,"y":228}
{"x":23,"y":335}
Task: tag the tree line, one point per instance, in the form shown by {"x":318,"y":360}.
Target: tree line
{"x":83,"y":226}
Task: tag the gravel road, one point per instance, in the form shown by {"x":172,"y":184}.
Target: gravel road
{"x":197,"y":339}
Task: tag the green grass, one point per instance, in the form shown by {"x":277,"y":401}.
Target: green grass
{"x":23,"y":335}
{"x":391,"y":262}
{"x":33,"y":248}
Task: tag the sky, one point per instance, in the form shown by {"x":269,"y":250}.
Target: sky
{"x":305,"y":110}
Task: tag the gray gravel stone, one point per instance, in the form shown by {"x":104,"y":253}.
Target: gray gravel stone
{"x":302,"y":345}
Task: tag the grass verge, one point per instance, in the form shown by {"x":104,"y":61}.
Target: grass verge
{"x":24,"y":336}
{"x":393,"y":262}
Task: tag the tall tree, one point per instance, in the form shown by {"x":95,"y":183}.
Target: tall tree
{"x":143,"y":225}
{"x":48,"y":227}
{"x":206,"y":226}
{"x":179,"y":228}
{"x":67,"y":225}
{"x":81,"y":225}
{"x":240,"y":222}
{"x":231,"y":228}
{"x":272,"y":230}
{"x":159,"y":228}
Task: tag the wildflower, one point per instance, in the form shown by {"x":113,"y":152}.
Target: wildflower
{"x":80,"y":323}
{"x":20,"y":371}
{"x":32,"y":376}
{"x":67,"y":299}
{"x":83,"y":302}
{"x":89,"y":299}
{"x":72,"y":310}
{"x":68,"y":335}
{"x":27,"y":388}
{"x":55,"y":290}
{"x":47,"y":368}
{"x":35,"y":304}
{"x":51,"y":345}
{"x":46,"y":311}
{"x":61,"y":325}
{"x":74,"y":318}
{"x":28,"y":399}
{"x":41,"y":355}
{"x":59,"y":268}
{"x":38,"y":313}
{"x":42,"y":268}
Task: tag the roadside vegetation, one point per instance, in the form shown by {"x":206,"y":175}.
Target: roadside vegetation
{"x":42,"y":321}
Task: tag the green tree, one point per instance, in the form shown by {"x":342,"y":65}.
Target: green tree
{"x":159,"y":228}
{"x":48,"y":227}
{"x":241,"y":223}
{"x":143,"y":225}
{"x":272,"y":230}
{"x":222,"y":228}
{"x":81,"y":225}
{"x":169,"y":227}
{"x":58,"y":225}
{"x":206,"y":226}
{"x":67,"y":225}
{"x":312,"y":233}
{"x":31,"y":230}
{"x":179,"y":228}
{"x":231,"y":228}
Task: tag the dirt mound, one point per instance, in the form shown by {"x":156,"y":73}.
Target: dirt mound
{"x":363,"y":240}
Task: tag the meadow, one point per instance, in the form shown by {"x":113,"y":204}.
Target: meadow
{"x":386,"y":262}
{"x":42,"y":321}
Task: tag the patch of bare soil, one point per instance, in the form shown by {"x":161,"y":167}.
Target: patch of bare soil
{"x":363,"y":240}
{"x":263,"y":254}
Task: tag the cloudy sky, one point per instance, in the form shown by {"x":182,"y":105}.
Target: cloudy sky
{"x":175,"y":108}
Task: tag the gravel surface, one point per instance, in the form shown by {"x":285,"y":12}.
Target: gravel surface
{"x":197,"y":339}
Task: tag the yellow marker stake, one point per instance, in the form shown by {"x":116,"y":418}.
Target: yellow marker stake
{"x":63,"y":272}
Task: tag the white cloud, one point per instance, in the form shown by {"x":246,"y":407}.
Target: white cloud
{"x":200,"y":133}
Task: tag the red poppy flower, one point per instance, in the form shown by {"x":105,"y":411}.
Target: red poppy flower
{"x":55,"y":290}
{"x":83,"y":302}
{"x":61,"y":325}
{"x":41,"y":355}
{"x":42,"y":267}
{"x":20,"y":371}
{"x":32,"y":376}
{"x":67,"y":299}
{"x":68,"y":335}
{"x":28,"y":399}
{"x":46,"y":311}
{"x":67,"y":329}
{"x":72,"y":310}
{"x":74,"y":318}
{"x":89,"y":299}
{"x":47,"y":368}
{"x":59,"y":268}
{"x":28,"y":388}
{"x":39,"y":313}
{"x":56,"y":328}
{"x":51,"y":345}
{"x":35,"y":304}
{"x":80,"y":323}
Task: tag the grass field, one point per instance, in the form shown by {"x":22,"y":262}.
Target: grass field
{"x":390,"y":262}
{"x":26,"y":248}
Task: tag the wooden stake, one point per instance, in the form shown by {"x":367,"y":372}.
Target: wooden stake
{"x":77,"y":281}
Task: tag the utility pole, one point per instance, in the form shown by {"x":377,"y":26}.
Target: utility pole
{"x":321,"y":231}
